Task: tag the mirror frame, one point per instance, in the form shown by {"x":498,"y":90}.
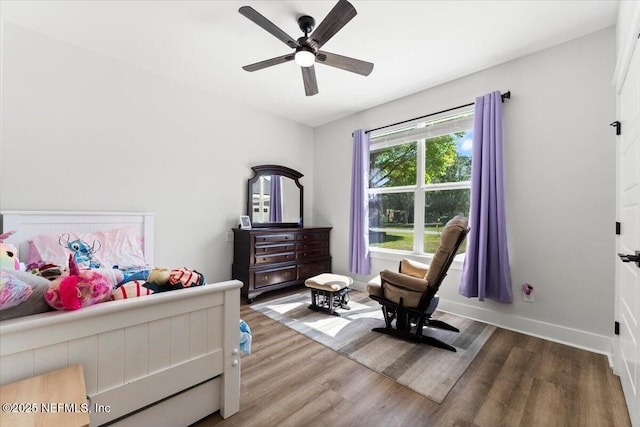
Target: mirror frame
{"x":262,"y":170}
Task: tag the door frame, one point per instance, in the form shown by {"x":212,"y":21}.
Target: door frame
{"x":628,"y":37}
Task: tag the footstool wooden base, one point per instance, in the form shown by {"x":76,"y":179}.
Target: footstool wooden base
{"x":328,"y":292}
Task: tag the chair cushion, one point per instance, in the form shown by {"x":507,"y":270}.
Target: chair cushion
{"x":328,"y":282}
{"x":450,"y":235}
{"x":413,"y":268}
{"x":398,"y":285}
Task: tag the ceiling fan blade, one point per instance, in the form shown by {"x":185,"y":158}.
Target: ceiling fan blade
{"x":309,"y":80}
{"x":337,"y":18}
{"x":345,"y":63}
{"x":269,"y":62}
{"x":269,"y":26}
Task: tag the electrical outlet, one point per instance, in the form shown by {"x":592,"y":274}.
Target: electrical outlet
{"x":228,"y":236}
{"x":528,"y":298}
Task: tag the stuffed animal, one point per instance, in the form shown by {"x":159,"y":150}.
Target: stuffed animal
{"x":8,"y":254}
{"x":163,"y":280}
{"x":13,"y":291}
{"x":82,"y":252}
{"x":48,"y":271}
{"x":159,"y":276}
{"x":80,"y":288}
{"x":185,"y":278}
{"x":131,"y":289}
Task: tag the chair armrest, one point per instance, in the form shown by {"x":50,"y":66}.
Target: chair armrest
{"x":404,"y":281}
{"x":374,"y":287}
{"x":398,"y":286}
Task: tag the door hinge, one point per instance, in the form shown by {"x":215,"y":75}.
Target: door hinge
{"x":616,"y":328}
{"x":617,"y":125}
{"x":617,"y":228}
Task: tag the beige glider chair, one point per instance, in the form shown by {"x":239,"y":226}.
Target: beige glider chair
{"x":409,"y":297}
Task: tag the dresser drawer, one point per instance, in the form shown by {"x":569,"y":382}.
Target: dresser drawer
{"x":312,"y":253}
{"x":307,"y":246}
{"x":311,"y":269}
{"x":312,"y":236}
{"x":279,"y":237}
{"x":273,"y":258}
{"x":274,"y":248}
{"x":272,"y":277}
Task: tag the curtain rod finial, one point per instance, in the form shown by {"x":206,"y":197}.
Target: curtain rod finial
{"x":506,"y":95}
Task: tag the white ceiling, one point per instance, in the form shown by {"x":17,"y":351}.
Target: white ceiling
{"x":413,"y":44}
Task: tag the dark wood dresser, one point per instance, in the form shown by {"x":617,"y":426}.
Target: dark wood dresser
{"x":265,"y":259}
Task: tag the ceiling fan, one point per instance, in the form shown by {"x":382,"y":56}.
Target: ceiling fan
{"x":307,"y":48}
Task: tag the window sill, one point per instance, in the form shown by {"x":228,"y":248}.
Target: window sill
{"x":395,"y":255}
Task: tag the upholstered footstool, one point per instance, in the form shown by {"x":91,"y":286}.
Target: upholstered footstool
{"x":328,"y":292}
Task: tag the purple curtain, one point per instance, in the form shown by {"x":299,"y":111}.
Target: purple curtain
{"x":359,"y":261}
{"x":486,"y":272}
{"x":275,"y":199}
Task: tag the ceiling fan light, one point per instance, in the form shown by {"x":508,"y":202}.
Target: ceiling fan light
{"x":304,"y":57}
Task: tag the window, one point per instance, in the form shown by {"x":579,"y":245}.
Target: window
{"x":261,"y":199}
{"x":419,"y":178}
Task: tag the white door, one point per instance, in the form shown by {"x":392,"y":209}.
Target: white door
{"x":628,"y":273}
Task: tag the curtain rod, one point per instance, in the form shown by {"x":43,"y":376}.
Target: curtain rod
{"x":506,"y":95}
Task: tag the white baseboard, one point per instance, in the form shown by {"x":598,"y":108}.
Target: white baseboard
{"x":584,"y":340}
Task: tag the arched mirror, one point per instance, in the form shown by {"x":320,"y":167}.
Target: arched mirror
{"x":274,"y":197}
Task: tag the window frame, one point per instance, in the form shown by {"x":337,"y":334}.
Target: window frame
{"x":420,"y":188}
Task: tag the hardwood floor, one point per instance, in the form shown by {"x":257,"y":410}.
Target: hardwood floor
{"x":516,"y":380}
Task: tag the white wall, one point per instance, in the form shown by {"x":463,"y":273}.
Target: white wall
{"x":560,"y":187}
{"x":84,"y":132}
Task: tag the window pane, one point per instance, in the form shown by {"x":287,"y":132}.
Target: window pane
{"x":440,"y":207}
{"x":391,"y":221}
{"x":393,"y":166}
{"x":448,"y":158}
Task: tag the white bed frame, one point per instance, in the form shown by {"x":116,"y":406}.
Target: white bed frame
{"x":165,"y":359}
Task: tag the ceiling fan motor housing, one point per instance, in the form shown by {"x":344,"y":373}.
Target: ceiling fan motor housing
{"x":306,"y":24}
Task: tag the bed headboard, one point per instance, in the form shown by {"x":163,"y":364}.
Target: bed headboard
{"x":27,"y":224}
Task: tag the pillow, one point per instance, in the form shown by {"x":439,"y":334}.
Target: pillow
{"x":119,"y":247}
{"x":35,"y":303}
{"x":413,"y":268}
